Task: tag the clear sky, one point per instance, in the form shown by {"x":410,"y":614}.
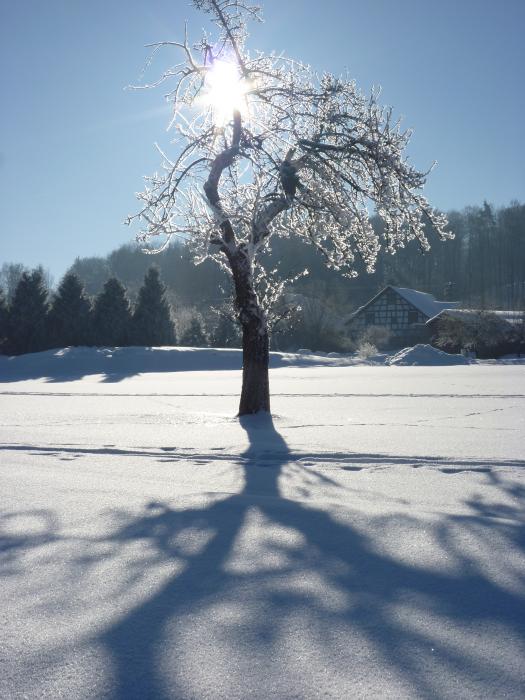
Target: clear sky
{"x":74,"y":144}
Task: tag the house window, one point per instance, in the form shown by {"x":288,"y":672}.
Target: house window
{"x":393,"y":320}
{"x":370,"y":318}
{"x":413,"y":316}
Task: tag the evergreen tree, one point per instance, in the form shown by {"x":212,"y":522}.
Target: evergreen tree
{"x":226,"y":334}
{"x":70,"y":315}
{"x":27,"y":319}
{"x":152,"y":324}
{"x":3,"y":319}
{"x":194,"y":336}
{"x":129,"y":264}
{"x":93,"y":273}
{"x":112,"y":315}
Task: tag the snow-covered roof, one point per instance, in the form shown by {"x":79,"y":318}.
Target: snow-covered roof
{"x":422,"y":301}
{"x":513,"y":317}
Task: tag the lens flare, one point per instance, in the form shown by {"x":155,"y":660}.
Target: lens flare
{"x":225,"y":91}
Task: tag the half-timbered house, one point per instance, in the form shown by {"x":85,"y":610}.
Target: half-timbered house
{"x":404,"y":312}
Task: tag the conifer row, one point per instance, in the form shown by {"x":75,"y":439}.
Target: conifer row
{"x":31,"y":323}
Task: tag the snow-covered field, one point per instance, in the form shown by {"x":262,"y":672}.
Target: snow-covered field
{"x":367,"y":543}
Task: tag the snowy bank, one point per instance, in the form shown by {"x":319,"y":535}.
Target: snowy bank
{"x":112,"y":364}
{"x":422,"y":355}
{"x":76,"y":362}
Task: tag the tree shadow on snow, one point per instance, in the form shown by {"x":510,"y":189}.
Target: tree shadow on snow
{"x":300,"y":563}
{"x":234,"y":576}
{"x":347,"y":461}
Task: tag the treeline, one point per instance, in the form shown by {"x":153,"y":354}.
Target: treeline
{"x":483,"y":267}
{"x":33,"y":320}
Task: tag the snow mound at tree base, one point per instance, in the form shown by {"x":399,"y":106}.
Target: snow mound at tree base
{"x":425,"y":355}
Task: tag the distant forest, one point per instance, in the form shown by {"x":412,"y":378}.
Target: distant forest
{"x":483,"y":268}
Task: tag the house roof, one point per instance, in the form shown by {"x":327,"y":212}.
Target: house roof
{"x":422,"y":301}
{"x":514,"y":318}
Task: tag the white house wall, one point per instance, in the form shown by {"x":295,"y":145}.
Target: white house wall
{"x":391,"y":311}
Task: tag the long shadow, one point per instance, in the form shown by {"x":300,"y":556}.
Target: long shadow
{"x":276,"y":579}
{"x":371,"y":582}
{"x":352,"y":461}
{"x":134,"y":642}
{"x":43,"y":531}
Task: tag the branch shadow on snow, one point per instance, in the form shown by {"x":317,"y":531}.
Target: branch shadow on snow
{"x":230,"y":577}
{"x":347,"y":461}
{"x":295,"y":574}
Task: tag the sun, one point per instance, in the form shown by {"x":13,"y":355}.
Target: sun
{"x":225,"y":91}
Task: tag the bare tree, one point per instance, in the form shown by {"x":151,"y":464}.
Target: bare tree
{"x":267,"y":147}
{"x":10,"y":275}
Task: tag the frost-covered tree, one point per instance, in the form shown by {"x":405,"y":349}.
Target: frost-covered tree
{"x":194,"y":336}
{"x":313,"y":325}
{"x":27,"y":319}
{"x":266,"y":147}
{"x":152,"y":322}
{"x":112,"y":315}
{"x":485,"y":333}
{"x":70,"y":314}
{"x":225,"y":334}
{"x":10,"y":274}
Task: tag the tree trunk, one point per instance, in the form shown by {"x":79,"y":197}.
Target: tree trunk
{"x":255,"y":393}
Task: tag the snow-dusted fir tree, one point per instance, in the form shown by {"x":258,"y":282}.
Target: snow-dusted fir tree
{"x":194,"y":336}
{"x":152,"y":323}
{"x":28,"y":314}
{"x":4,"y":315}
{"x":267,"y":147}
{"x":112,"y":315}
{"x":69,"y":320}
{"x":225,"y":334}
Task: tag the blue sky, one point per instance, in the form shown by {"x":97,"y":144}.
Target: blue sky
{"x":74,"y":144}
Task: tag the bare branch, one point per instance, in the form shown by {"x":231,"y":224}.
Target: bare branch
{"x":344,"y":156}
{"x":211,"y":187}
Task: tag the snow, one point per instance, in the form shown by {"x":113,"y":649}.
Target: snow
{"x":77,"y":362}
{"x":366,"y":543}
{"x":514,"y":318}
{"x":425,"y":302}
{"x":425,"y":355}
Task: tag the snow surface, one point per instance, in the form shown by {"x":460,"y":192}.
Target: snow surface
{"x":366,"y":543}
{"x":75,"y":363}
